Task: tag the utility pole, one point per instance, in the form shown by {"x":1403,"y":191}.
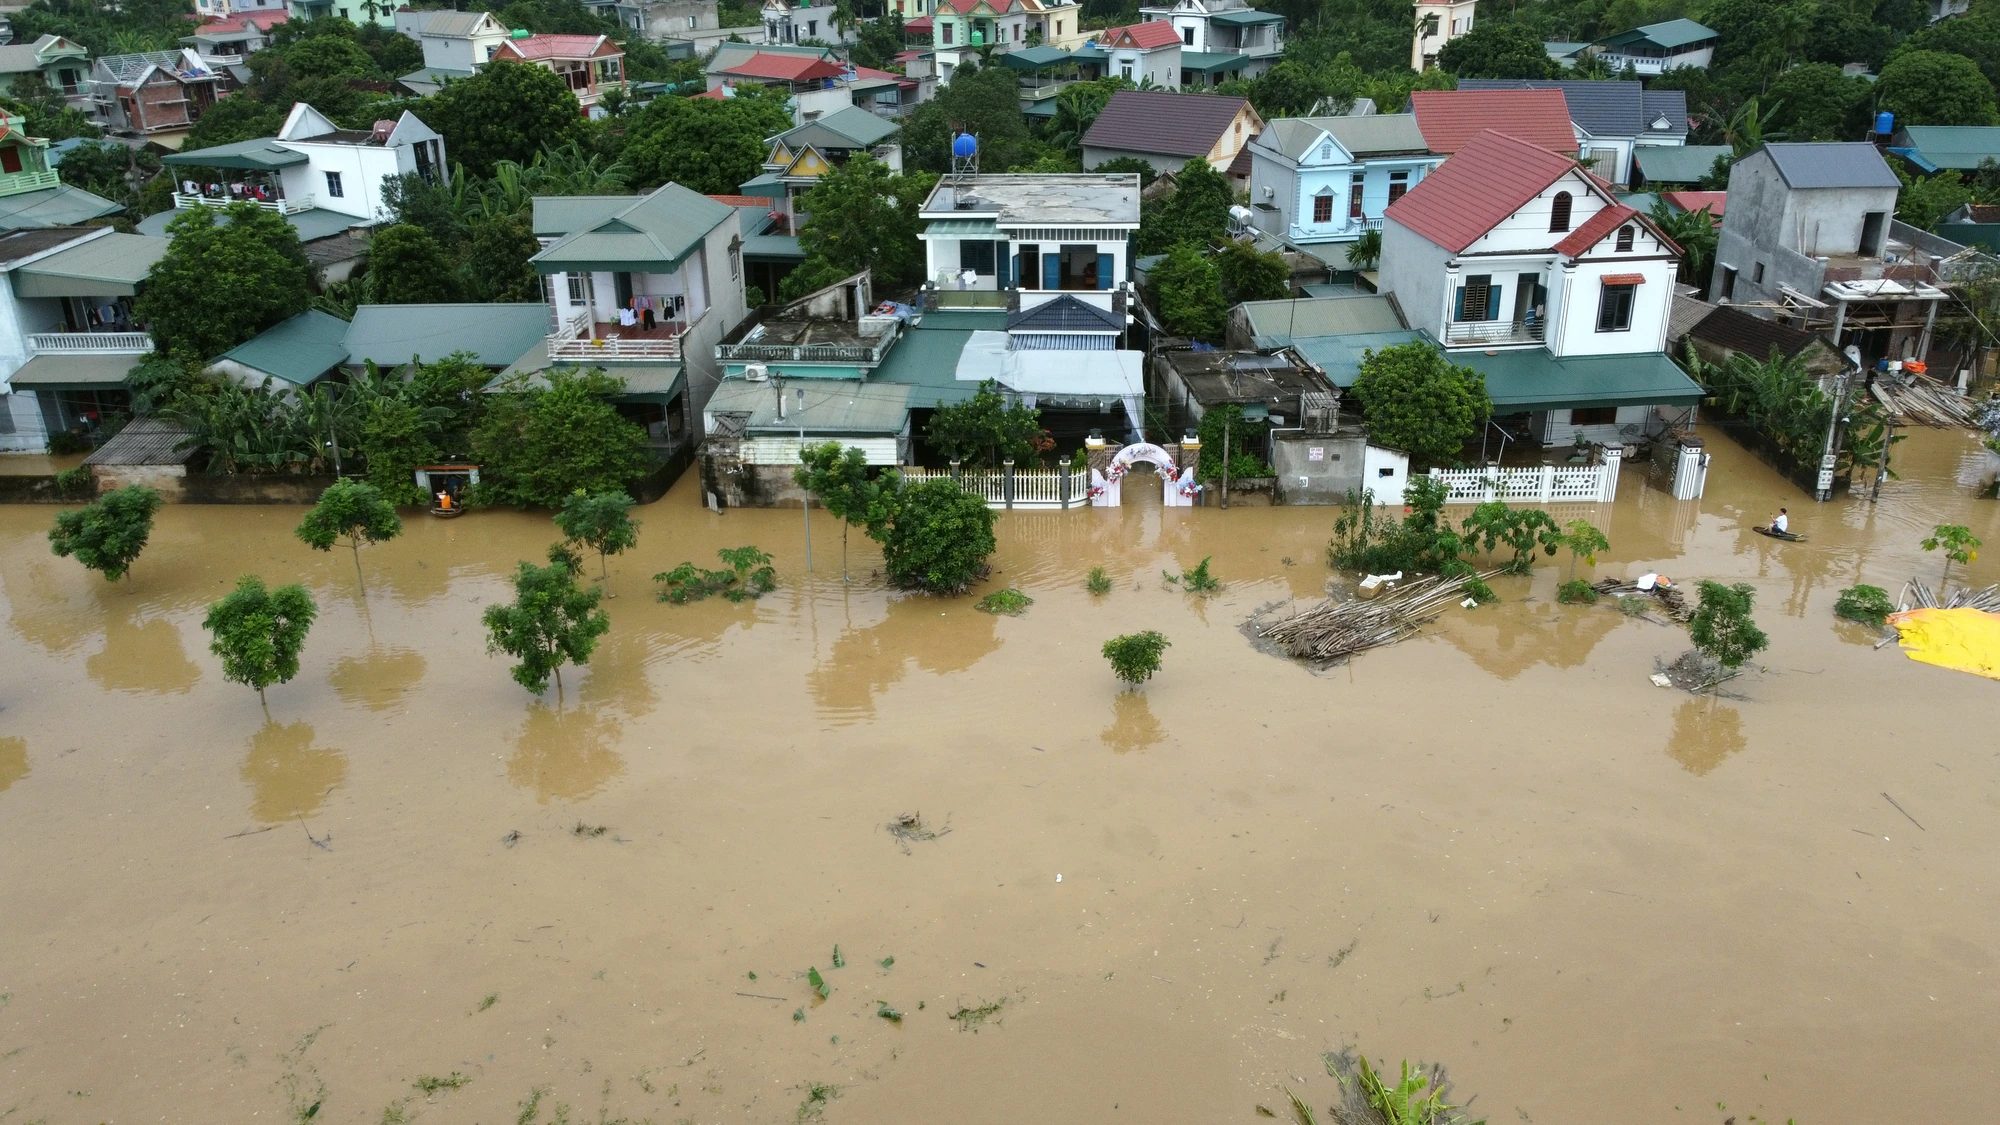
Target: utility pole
{"x":333,"y":436}
{"x":1882,"y":467}
{"x":1225,"y":461}
{"x":805,"y":501}
{"x":1824,"y":489}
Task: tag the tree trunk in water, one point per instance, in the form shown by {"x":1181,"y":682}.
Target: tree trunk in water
{"x":359,"y":581}
{"x":844,"y":525}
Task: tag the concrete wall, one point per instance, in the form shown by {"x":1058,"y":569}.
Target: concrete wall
{"x":362,"y":170}
{"x":1325,"y":468}
{"x":723,"y":295}
{"x":1413,"y":268}
{"x":1161,"y":162}
{"x":1771,"y":225}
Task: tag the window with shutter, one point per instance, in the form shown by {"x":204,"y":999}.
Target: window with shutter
{"x":1625,"y":240}
{"x":1559,"y":213}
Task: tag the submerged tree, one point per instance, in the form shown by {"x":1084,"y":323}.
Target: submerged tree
{"x":1418,"y":401}
{"x":553,"y":620}
{"x":1721,"y":627}
{"x":599,"y":521}
{"x":935,"y":536}
{"x":354,"y":509}
{"x":1958,"y":544}
{"x":1135,"y":657}
{"x":108,"y":534}
{"x":259,"y":633}
{"x":837,"y":476}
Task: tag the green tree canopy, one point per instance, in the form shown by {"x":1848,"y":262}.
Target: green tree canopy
{"x":552,"y":621}
{"x":1927,"y":199}
{"x":703,"y":144}
{"x":985,"y":428}
{"x":406,"y":266}
{"x":108,"y":168}
{"x":1721,"y":627}
{"x":259,"y":633}
{"x":1498,"y":49}
{"x":507,"y":111}
{"x":1975,"y":36}
{"x":1818,"y":102}
{"x":354,"y":509}
{"x":837,"y":476}
{"x":1250,"y":274}
{"x":227,"y":275}
{"x":860,"y":216}
{"x":537,"y":445}
{"x":601,"y":521}
{"x":107,"y":534}
{"x":1935,"y":88}
{"x":1135,"y":657}
{"x":983,"y":101}
{"x":1197,"y":212}
{"x":935,"y":536}
{"x":1187,"y":293}
{"x":1420,"y":402}
{"x":1694,"y":232}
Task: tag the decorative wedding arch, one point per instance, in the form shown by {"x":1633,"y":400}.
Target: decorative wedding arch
{"x":1180,"y":488}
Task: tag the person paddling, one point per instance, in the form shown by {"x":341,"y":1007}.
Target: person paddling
{"x":1783,"y":524}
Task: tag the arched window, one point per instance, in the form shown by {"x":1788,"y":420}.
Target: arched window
{"x":1326,"y":152}
{"x":1559,"y":214}
{"x":1624,"y":240}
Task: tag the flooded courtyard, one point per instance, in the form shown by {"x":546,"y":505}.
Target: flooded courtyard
{"x":1497,"y":846}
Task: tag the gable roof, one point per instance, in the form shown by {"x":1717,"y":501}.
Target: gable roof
{"x":788,"y":68}
{"x":1714,"y":201}
{"x":1483,"y":183}
{"x":847,"y":127}
{"x":1666,"y":36}
{"x":1740,"y":331}
{"x":1677,"y":164}
{"x":1375,"y":135}
{"x":1144,"y":36}
{"x":458,"y":25}
{"x":241,"y":23}
{"x":17,"y":58}
{"x":184,"y":64}
{"x":534,"y":47}
{"x":1593,"y":230}
{"x":1831,"y":164}
{"x":1449,"y":119}
{"x":1938,"y":147}
{"x":1611,"y":108}
{"x":1159,"y":121}
{"x":1065,"y":314}
{"x":658,"y":229}
{"x":298,"y":349}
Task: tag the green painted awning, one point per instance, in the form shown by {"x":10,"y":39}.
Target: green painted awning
{"x":1244,"y":16}
{"x":773,"y":247}
{"x":1535,"y":380}
{"x":1034,"y":58}
{"x":111,"y":265}
{"x":261,"y":155}
{"x":962,"y":228}
{"x":1209,"y":62}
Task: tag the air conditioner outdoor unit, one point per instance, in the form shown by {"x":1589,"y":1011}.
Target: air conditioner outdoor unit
{"x":756,"y":373}
{"x":1270,"y":192}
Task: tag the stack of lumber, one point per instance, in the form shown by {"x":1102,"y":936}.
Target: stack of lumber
{"x":1332,"y":630}
{"x":1916,"y":595}
{"x":1669,"y":598}
{"x":1924,"y":401}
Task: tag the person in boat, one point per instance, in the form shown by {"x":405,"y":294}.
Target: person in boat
{"x":444,"y":501}
{"x":1782,"y":523}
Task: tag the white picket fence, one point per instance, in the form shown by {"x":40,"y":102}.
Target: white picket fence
{"x":1544,"y":484}
{"x":1036,"y":488}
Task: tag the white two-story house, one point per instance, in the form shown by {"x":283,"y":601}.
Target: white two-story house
{"x":1054,"y":232}
{"x":311,"y":165}
{"x":1328,"y":179}
{"x":1224,"y":27}
{"x":456,"y":44}
{"x":1527,"y":270}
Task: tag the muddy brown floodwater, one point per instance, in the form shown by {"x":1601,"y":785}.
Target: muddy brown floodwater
{"x":1498,"y":845}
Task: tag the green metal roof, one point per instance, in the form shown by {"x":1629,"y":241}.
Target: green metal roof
{"x":833,"y":406}
{"x":1677,"y":164}
{"x":79,"y":371}
{"x":59,"y":206}
{"x":1244,"y":16}
{"x":558,"y":215}
{"x":783,"y":247}
{"x":926,"y":358}
{"x":653,"y":232}
{"x":495,"y":335}
{"x":1322,"y":316}
{"x":312,"y":225}
{"x":1340,"y":356}
{"x":1666,"y":36}
{"x":1955,"y":147}
{"x":642,"y":380}
{"x":962,"y":228}
{"x":298,"y":350}
{"x":857,"y":127}
{"x":1034,"y":58}
{"x":260,"y":155}
{"x":1535,"y":380}
{"x":110,"y":265}
{"x":1210,"y":62}
{"x":769,"y":185}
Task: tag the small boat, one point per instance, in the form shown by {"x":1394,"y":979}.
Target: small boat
{"x":450,"y":513}
{"x":1787,"y":536}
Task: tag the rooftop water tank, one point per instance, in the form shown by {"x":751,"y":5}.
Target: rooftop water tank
{"x":964,"y":145}
{"x":1885,"y":123}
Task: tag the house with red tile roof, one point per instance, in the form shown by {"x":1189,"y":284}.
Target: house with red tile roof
{"x":1450,"y":118}
{"x":1528,"y":270}
{"x":1137,"y":52}
{"x":818,"y":86}
{"x":228,"y":40}
{"x":592,"y":65}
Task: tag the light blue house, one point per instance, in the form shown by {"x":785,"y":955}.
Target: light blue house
{"x":1317,"y":180}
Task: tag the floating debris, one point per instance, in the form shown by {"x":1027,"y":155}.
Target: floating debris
{"x":911,"y":827}
{"x":1332,"y":631}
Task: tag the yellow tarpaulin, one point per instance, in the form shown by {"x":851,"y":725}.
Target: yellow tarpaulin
{"x":1967,"y":640}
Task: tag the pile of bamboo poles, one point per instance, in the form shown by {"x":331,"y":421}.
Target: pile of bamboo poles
{"x":1332,"y":630}
{"x":1916,"y":595}
{"x":1670,"y":598}
{"x":1925,"y":402}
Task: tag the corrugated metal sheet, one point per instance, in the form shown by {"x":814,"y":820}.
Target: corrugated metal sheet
{"x":1831,"y":164}
{"x":143,"y":441}
{"x":1322,"y":316}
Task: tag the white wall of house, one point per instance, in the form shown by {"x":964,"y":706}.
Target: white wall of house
{"x":1162,"y":65}
{"x":944,"y":259}
{"x":717,"y":274}
{"x":464,"y":52}
{"x":1573,"y":305}
{"x":1286,"y":191}
{"x":811,"y":105}
{"x":1649,"y":66}
{"x":361,"y":170}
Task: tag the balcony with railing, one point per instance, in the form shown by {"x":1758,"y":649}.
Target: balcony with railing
{"x":1326,"y":232}
{"x":805,"y":340}
{"x":186,"y":200}
{"x":90,"y":343}
{"x":1486,"y":333}
{"x":580,"y":340}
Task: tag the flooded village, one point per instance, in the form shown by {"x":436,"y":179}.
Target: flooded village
{"x":1011,"y":561}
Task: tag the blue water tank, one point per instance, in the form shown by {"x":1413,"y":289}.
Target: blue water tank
{"x":1885,"y":123}
{"x":964,"y":146}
